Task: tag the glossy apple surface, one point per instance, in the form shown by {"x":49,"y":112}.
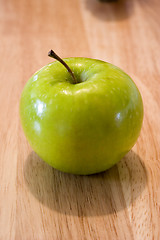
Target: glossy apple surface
{"x":81,"y":128}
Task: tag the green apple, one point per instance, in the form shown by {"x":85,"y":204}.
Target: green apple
{"x":83,"y":120}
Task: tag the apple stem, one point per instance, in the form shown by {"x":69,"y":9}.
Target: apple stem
{"x":52,"y":54}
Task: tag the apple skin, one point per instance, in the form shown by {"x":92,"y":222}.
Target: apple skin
{"x":82,"y":128}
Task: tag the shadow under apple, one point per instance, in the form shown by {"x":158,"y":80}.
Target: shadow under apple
{"x":98,"y":194}
{"x":110,"y":10}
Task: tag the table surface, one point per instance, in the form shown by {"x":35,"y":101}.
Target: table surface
{"x":37,"y":202}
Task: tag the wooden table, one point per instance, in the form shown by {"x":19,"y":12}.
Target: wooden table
{"x":37,"y":202}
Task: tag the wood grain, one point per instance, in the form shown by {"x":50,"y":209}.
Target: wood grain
{"x":38,"y":202}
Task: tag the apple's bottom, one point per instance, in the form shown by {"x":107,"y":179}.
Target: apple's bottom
{"x":85,"y":168}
